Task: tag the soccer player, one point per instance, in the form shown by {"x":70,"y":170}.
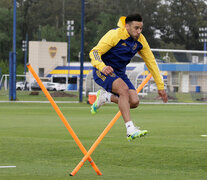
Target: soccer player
{"x":110,"y":58}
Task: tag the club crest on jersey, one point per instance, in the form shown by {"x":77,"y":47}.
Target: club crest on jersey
{"x":135,"y":46}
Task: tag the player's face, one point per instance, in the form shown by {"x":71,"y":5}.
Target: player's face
{"x":134,"y":29}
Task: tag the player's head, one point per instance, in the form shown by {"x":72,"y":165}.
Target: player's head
{"x":134,"y":25}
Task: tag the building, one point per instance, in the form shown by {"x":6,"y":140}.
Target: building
{"x":45,"y":56}
{"x":185,"y":77}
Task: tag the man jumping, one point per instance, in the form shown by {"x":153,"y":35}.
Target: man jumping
{"x":110,"y":58}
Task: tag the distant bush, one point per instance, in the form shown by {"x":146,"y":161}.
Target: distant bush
{"x":4,"y":65}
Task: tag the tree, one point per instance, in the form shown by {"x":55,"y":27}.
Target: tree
{"x":5,"y":32}
{"x":103,"y":16}
{"x":180,"y":22}
{"x":176,"y":22}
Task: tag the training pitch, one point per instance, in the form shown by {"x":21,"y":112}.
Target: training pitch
{"x":33,"y":138}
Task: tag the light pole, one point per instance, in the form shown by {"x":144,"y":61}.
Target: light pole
{"x":70,"y":32}
{"x":203,"y":38}
{"x":25,"y":50}
{"x":82,"y":51}
{"x":13,"y":56}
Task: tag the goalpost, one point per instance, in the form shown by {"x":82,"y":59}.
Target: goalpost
{"x":193,"y":56}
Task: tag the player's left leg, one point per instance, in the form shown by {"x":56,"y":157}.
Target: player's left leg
{"x":132,"y":130}
{"x":133,"y":98}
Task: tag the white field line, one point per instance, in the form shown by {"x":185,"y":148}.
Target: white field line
{"x":38,"y":101}
{"x":204,"y":135}
{"x":169,"y":103}
{"x":7,"y":166}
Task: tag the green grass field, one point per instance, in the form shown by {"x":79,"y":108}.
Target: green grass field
{"x":33,"y":138}
{"x":74,"y":96}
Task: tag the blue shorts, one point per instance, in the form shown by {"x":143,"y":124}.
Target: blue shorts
{"x":107,"y":81}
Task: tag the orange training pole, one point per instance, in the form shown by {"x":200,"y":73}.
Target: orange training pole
{"x":60,"y":114}
{"x":106,"y":130}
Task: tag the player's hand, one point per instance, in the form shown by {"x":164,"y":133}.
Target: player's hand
{"x":163,"y":95}
{"x":107,"y":70}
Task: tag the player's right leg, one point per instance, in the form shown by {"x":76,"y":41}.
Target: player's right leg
{"x":103,"y":96}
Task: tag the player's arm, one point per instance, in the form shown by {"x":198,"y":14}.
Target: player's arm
{"x":104,"y":45}
{"x":152,"y":66}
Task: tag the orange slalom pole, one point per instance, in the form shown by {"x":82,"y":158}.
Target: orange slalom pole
{"x":62,"y":117}
{"x":106,"y":130}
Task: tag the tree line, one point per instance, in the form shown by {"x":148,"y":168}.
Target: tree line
{"x":170,"y":24}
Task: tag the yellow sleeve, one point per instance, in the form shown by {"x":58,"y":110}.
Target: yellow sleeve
{"x":105,"y":44}
{"x":151,"y":63}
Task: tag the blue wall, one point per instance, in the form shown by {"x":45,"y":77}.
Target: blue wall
{"x":182,"y":67}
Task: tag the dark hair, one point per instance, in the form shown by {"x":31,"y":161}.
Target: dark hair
{"x":133,"y":17}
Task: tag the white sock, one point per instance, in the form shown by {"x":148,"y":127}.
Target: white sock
{"x":129,"y":124}
{"x":108,"y":97}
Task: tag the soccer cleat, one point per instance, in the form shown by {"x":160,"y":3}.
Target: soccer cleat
{"x":100,"y":100}
{"x":134,"y":132}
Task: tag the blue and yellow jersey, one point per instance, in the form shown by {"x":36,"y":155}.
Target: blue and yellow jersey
{"x":116,"y":49}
